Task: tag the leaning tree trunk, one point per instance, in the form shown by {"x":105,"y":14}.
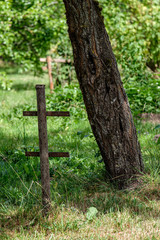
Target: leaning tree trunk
{"x":103,"y":93}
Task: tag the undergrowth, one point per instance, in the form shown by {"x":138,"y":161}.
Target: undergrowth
{"x":85,"y":205}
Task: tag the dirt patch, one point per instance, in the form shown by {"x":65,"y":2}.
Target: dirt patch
{"x":151,"y":117}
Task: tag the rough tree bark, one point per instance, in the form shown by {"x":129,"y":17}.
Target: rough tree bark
{"x":103,"y":93}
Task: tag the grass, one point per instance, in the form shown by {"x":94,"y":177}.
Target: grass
{"x":77,"y":183}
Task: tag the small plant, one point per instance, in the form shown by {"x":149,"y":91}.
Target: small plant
{"x":91,"y":213}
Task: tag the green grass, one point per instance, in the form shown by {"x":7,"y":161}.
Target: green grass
{"x":77,"y":183}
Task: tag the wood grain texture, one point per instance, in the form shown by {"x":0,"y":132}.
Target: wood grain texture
{"x":43,"y":146}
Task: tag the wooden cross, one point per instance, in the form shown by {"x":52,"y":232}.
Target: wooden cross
{"x":49,"y":61}
{"x":43,"y":144}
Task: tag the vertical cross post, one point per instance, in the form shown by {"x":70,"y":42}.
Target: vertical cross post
{"x":43,"y":146}
{"x":49,"y":66}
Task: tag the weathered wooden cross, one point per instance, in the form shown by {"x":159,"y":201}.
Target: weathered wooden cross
{"x":43,"y":144}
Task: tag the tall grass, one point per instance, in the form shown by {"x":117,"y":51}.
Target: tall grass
{"x":77,"y":183}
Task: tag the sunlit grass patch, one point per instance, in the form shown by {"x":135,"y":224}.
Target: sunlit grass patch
{"x":71,"y":223}
{"x":78,"y":183}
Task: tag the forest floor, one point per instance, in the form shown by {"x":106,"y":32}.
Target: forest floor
{"x":85,"y":205}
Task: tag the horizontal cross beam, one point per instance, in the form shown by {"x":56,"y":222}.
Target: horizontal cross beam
{"x":56,"y":60}
{"x":50,"y":154}
{"x":48,"y":113}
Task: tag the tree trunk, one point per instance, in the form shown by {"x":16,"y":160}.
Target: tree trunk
{"x":103,"y":93}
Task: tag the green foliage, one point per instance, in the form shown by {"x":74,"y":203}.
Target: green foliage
{"x":28,"y":29}
{"x":5,"y":82}
{"x":158,"y":126}
{"x":143,"y":95}
{"x":67,"y":98}
{"x":133,"y":30}
{"x":63,"y":73}
{"x":91,"y":213}
{"x":34,"y":28}
{"x":133,"y":27}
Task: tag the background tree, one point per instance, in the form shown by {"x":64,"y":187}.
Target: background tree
{"x":105,"y":99}
{"x":28,"y":30}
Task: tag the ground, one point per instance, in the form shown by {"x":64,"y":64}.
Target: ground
{"x":85,"y":205}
